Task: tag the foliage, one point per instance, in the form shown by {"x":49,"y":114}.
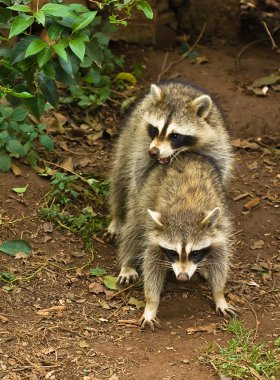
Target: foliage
{"x":244,"y":359}
{"x":12,"y":247}
{"x":19,"y":137}
{"x":63,"y":205}
{"x":72,"y":47}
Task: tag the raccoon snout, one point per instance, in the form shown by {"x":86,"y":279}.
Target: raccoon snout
{"x":182,"y":277}
{"x":154,"y":152}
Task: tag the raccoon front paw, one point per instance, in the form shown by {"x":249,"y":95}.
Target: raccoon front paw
{"x":152,"y":323}
{"x":128,"y":275}
{"x":110,"y":235}
{"x":227,"y":311}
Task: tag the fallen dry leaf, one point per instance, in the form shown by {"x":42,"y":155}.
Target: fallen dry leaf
{"x":61,"y":119}
{"x":201,"y":59}
{"x":253,"y":165}
{"x":113,"y":377}
{"x":245,"y":144}
{"x":96,"y":288}
{"x":83,"y":344}
{"x":53,"y":309}
{"x":257,"y":244}
{"x":67,"y":164}
{"x":3,"y":319}
{"x":48,"y":227}
{"x":235,"y":298}
{"x":21,"y":255}
{"x":252,"y":203}
{"x":203,"y":328}
{"x":135,"y":302}
{"x":16,"y":170}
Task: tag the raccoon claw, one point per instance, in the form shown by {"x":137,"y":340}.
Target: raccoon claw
{"x":228,"y":312}
{"x":127,"y":276}
{"x":109,"y":237}
{"x":151,"y":323}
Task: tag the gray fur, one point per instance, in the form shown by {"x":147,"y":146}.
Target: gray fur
{"x":132,"y":161}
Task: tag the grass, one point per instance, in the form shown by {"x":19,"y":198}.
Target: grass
{"x":244,"y":359}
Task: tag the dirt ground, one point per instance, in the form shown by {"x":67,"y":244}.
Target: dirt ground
{"x":53,"y":327}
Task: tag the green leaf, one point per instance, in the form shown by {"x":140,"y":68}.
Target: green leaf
{"x":60,"y":51}
{"x":46,"y":141}
{"x":77,"y":46}
{"x":83,"y":20}
{"x":54,"y":31}
{"x":144,"y":6}
{"x":110,"y":282}
{"x":79,"y":8}
{"x":135,"y":302}
{"x":44,"y":56}
{"x":127,"y":77}
{"x":20,"y":8}
{"x":57,"y":10}
{"x":97,"y":272}
{"x":5,"y":163}
{"x":35,"y":47}
{"x":22,"y":95}
{"x":40,"y":17}
{"x":95,"y":52}
{"x":20,"y":190}
{"x":15,"y":147}
{"x":20,"y":24}
{"x":49,"y":71}
{"x":18,"y":52}
{"x":19,"y":114}
{"x":35,"y":105}
{"x":48,"y":88}
{"x":12,"y":247}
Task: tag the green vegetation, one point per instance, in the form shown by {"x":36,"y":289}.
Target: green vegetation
{"x":244,"y":359}
{"x":38,"y":48}
{"x":67,"y":204}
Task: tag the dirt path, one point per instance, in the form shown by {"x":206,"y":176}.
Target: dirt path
{"x":82,"y":337}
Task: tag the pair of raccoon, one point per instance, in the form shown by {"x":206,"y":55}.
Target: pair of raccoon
{"x":173,"y":160}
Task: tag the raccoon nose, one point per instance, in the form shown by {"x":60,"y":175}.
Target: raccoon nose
{"x":182,"y":276}
{"x":153,"y":152}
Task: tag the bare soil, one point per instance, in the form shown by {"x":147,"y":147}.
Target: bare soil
{"x":53,"y":327}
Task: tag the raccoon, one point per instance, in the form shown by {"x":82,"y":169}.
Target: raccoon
{"x":179,"y":220}
{"x":174,"y":118}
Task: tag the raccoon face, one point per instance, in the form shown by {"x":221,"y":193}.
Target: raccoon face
{"x":175,"y":127}
{"x":186,"y":253}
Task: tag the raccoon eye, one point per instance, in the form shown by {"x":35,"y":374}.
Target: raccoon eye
{"x":174,"y":136}
{"x":170,"y":254}
{"x":153,"y":131}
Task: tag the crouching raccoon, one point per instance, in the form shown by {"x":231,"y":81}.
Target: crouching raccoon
{"x":177,"y":220}
{"x":172,"y":119}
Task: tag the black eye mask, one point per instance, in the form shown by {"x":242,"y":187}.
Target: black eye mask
{"x":199,"y":255}
{"x":178,"y":141}
{"x":171,"y":255}
{"x":152,"y":131}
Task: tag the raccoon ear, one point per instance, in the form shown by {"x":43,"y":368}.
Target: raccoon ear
{"x":212,"y":217}
{"x":156,"y":93}
{"x":202,"y":105}
{"x":156,"y":216}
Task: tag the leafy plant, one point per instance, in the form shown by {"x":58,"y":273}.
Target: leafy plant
{"x":63,"y":205}
{"x":109,"y":281}
{"x":19,"y":137}
{"x":72,"y":47}
{"x":244,"y":359}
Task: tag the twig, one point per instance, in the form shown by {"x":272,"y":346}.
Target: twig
{"x":162,"y":67}
{"x":274,"y":46}
{"x":173,"y":63}
{"x":118,"y":309}
{"x":247,"y":47}
{"x":125,"y":289}
{"x":257,"y":322}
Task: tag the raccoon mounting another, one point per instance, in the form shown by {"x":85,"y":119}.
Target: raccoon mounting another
{"x":174,"y":118}
{"x":178,"y":219}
